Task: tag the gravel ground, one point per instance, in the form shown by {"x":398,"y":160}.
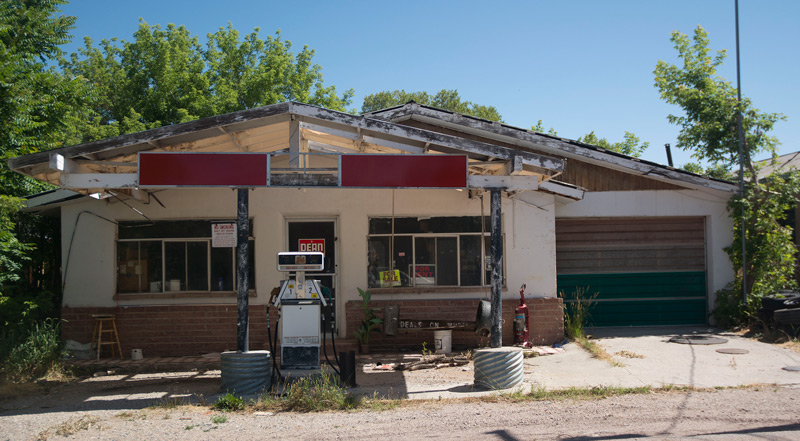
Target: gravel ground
{"x":121,"y":407}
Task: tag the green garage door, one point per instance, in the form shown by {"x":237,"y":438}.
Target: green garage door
{"x":644,"y":271}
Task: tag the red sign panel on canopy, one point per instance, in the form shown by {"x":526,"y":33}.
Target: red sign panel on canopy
{"x":404,"y":171}
{"x":203,"y":169}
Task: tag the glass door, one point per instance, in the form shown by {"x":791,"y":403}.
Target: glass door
{"x":317,"y":235}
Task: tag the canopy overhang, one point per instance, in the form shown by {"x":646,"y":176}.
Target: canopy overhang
{"x":304,"y":144}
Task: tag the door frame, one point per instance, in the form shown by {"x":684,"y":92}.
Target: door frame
{"x":287,"y":219}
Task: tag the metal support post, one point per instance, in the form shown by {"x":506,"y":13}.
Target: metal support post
{"x":242,"y":263}
{"x":496,"y":339}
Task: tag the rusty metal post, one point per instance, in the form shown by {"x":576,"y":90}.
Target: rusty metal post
{"x":496,"y":339}
{"x":242,"y":263}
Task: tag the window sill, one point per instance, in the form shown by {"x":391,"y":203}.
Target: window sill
{"x":428,"y":290}
{"x":180,"y":295}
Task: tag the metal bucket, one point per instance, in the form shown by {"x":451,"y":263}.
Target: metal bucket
{"x":498,"y":368}
{"x":245,"y":373}
{"x":443,"y":341}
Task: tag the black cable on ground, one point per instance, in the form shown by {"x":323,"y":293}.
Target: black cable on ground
{"x":273,"y":342}
{"x":325,"y":346}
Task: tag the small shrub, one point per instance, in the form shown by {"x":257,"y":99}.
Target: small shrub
{"x":28,"y":352}
{"x":219,"y":419}
{"x":229,"y":403}
{"x":314,"y":394}
{"x":577,"y":312}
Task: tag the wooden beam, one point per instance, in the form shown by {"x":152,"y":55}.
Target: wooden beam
{"x":549,"y":145}
{"x":98,"y":180}
{"x":298,"y":146}
{"x":153,"y":138}
{"x":504,"y":182}
{"x":514,"y":166}
{"x":303,"y":180}
{"x":60,"y":163}
{"x":562,"y":190}
{"x":377,"y":127}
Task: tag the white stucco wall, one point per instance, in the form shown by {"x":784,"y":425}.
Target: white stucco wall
{"x":528,"y":225}
{"x":707,"y":203}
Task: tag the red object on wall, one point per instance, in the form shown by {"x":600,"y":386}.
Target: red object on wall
{"x":404,"y":171}
{"x":202,"y":169}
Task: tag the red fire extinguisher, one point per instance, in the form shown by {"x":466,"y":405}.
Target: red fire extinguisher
{"x":521,"y":319}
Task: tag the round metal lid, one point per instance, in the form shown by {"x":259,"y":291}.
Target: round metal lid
{"x":698,"y":340}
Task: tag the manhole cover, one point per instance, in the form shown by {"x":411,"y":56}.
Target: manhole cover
{"x":698,"y":340}
{"x":792,"y":368}
{"x":732,"y":351}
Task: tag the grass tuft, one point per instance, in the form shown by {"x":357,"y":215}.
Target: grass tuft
{"x":313,"y":394}
{"x":538,"y":393}
{"x":29,"y":352}
{"x":229,"y":403}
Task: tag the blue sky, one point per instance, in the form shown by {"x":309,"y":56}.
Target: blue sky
{"x":578,"y":65}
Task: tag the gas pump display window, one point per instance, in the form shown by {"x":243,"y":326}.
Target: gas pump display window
{"x":150,"y":260}
{"x":429,"y":251}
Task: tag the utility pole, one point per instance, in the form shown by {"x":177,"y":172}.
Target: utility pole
{"x":741,"y":156}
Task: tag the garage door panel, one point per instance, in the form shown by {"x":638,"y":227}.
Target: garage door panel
{"x":645,"y":271}
{"x":638,"y":313}
{"x":633,"y":286}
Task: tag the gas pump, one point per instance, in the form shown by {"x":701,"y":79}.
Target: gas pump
{"x":300,"y":302}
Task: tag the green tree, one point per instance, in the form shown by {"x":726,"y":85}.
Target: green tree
{"x":34,"y":98}
{"x":444,"y":99}
{"x":716,"y":171}
{"x":35,"y":104}
{"x":630,"y":145}
{"x":165,"y":76}
{"x":539,"y":127}
{"x":708,"y":128}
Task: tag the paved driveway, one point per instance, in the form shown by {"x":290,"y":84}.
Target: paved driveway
{"x":648,"y":358}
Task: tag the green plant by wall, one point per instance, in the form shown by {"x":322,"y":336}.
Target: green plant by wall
{"x":229,"y":403}
{"x":317,"y":393}
{"x":370,"y":322}
{"x":577,"y":311}
{"x":769,"y":245}
{"x":28,"y":352}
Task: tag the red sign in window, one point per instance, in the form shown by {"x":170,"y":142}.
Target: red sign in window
{"x":311,"y":245}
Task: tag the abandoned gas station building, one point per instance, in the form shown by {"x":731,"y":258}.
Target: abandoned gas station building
{"x":648,"y":239}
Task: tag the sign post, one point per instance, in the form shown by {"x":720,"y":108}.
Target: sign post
{"x":242,"y":270}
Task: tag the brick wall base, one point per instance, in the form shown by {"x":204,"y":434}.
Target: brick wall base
{"x":546,"y":322}
{"x":200,"y":329}
{"x":170,"y":330}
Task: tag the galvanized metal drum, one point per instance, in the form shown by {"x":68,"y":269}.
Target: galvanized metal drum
{"x":245,"y":373}
{"x":498,"y":368}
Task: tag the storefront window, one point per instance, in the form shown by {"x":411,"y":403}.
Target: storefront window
{"x":187,"y":260}
{"x":434,"y":251}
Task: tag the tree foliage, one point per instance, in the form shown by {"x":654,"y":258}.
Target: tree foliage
{"x":708,"y":125}
{"x":630,"y":145}
{"x":708,"y":128}
{"x":166,"y":76}
{"x":443,"y":99}
{"x":34,"y":99}
{"x":539,"y":127}
{"x":35,"y":104}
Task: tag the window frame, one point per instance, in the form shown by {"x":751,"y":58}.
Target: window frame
{"x":485,"y":279}
{"x":164,"y":293}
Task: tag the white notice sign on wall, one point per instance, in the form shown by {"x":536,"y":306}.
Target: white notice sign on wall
{"x":223,"y":235}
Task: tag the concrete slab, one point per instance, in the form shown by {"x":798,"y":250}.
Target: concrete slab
{"x":650,"y":359}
